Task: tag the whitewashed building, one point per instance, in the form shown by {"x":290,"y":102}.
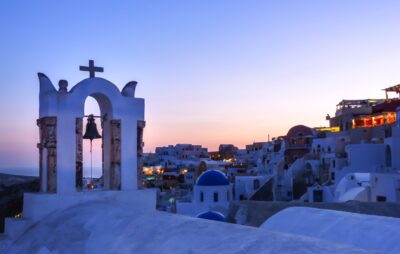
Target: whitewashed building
{"x":246,"y":186}
{"x":212,"y":192}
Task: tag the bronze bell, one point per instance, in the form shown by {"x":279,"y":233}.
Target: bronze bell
{"x":91,"y":129}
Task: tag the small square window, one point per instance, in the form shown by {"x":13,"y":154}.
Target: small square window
{"x":381,"y":198}
{"x":215,"y":197}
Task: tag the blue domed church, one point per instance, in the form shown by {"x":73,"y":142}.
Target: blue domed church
{"x":212,"y":192}
{"x":212,"y":178}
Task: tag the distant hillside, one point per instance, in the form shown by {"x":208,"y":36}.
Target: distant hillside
{"x":12,"y":188}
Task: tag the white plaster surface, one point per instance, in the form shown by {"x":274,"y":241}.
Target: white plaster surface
{"x":364,"y":231}
{"x":39,"y":205}
{"x":208,"y":204}
{"x":117,"y":227}
{"x":244,"y":185}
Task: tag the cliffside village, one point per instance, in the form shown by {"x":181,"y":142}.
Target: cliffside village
{"x":352,"y":159}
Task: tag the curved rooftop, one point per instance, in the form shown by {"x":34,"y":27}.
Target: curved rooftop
{"x":370,"y":232}
{"x":212,"y":178}
{"x":212,"y":215}
{"x":85,"y":224}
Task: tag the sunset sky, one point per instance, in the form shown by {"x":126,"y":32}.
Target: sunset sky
{"x":211,"y":72}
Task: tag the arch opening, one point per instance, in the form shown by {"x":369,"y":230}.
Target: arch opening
{"x":100,"y":169}
{"x":92,"y":169}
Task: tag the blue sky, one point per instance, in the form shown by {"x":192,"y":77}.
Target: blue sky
{"x":211,"y":71}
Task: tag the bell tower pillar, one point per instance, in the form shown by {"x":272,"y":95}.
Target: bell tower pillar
{"x":48,"y":153}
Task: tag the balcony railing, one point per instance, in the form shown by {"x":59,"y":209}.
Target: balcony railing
{"x":298,"y":146}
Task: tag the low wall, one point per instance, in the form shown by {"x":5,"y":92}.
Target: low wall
{"x":254,"y":213}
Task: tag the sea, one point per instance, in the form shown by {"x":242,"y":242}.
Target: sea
{"x":35,"y":172}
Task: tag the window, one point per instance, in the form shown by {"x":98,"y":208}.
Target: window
{"x":333,"y":163}
{"x":332,"y":175}
{"x":388,"y":155}
{"x":201,"y":197}
{"x":318,"y":196}
{"x":256,"y":184}
{"x":381,"y":198}
{"x":215,"y":196}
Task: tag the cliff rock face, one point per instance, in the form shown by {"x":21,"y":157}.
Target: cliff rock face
{"x":11,"y":194}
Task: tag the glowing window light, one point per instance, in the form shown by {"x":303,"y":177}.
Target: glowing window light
{"x":373,"y":121}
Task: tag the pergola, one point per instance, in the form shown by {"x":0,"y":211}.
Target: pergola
{"x":395,"y":89}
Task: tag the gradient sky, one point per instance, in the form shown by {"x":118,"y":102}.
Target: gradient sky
{"x":211,"y":71}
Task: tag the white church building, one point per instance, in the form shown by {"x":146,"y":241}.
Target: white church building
{"x":212,"y":192}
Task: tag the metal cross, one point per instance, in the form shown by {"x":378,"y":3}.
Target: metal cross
{"x":91,"y":68}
